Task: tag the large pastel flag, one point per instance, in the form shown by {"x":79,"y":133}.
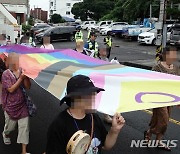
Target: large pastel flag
{"x":126,"y":88}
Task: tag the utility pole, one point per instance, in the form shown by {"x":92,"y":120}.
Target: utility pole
{"x":161,"y":27}
{"x":150,"y":15}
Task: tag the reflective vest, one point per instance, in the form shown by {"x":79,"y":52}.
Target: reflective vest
{"x":79,"y":36}
{"x":30,"y":40}
{"x":108,"y":41}
{"x":96,"y":49}
{"x":88,"y":36}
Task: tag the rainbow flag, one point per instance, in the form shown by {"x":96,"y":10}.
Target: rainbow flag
{"x":126,"y":88}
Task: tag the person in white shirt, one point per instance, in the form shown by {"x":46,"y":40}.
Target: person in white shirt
{"x":46,"y":43}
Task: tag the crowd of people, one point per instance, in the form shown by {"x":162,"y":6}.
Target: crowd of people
{"x":80,"y":99}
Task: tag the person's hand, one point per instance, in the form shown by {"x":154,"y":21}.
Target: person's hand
{"x":117,"y":123}
{"x":22,"y":76}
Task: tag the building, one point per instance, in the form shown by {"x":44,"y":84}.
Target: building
{"x":62,"y":7}
{"x":40,"y":14}
{"x":18,"y":8}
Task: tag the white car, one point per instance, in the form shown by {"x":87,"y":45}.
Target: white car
{"x":100,"y":25}
{"x":87,"y":24}
{"x":149,"y":37}
{"x":114,"y":26}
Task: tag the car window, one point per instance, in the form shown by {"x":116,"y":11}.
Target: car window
{"x":55,"y":31}
{"x":176,"y":32}
{"x":92,"y":22}
{"x":109,"y":22}
{"x":103,"y":23}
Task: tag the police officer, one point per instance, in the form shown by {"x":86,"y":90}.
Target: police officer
{"x":108,"y":43}
{"x":92,"y":45}
{"x":79,"y":34}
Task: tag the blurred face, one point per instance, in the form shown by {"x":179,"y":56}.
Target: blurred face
{"x":103,"y":53}
{"x":79,"y":46}
{"x":86,"y":102}
{"x":13,"y":61}
{"x":93,"y":38}
{"x":46,"y":40}
{"x":171,"y":57}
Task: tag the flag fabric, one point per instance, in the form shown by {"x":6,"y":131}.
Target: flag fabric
{"x":126,"y":88}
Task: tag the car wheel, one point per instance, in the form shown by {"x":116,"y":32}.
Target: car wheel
{"x":154,"y":42}
{"x":71,"y":38}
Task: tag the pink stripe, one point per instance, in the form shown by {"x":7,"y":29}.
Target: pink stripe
{"x":99,"y":81}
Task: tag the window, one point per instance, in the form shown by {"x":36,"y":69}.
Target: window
{"x":56,"y":31}
{"x":51,"y":12}
{"x":109,"y":22}
{"x":68,"y":4}
{"x":51,"y":3}
{"x":68,"y":12}
{"x":103,"y":23}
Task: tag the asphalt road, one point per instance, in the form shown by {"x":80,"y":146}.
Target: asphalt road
{"x":136,"y":122}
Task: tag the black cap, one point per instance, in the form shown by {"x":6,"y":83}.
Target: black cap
{"x":79,"y":85}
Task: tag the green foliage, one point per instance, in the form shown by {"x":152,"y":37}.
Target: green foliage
{"x":94,"y":9}
{"x":26,"y":28}
{"x":31,"y":21}
{"x":121,"y":10}
{"x":56,"y":18}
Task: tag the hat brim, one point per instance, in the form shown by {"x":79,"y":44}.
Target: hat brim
{"x":83,"y":92}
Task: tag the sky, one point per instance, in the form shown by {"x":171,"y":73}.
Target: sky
{"x":44,"y":4}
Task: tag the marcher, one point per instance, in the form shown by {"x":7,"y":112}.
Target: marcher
{"x":13,"y":102}
{"x":27,"y":40}
{"x":81,"y":115}
{"x":79,"y":34}
{"x":3,"y":39}
{"x":103,"y":56}
{"x":92,"y":45}
{"x":47,"y":43}
{"x":80,"y":47}
{"x":108,"y":43}
{"x":160,"y":118}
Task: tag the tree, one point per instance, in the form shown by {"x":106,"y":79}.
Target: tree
{"x":31,"y":21}
{"x":56,"y":18}
{"x":94,"y":9}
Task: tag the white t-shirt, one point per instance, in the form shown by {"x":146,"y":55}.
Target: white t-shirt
{"x":47,"y":46}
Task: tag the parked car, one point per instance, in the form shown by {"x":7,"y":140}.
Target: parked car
{"x":175,"y":35}
{"x":40,"y":26}
{"x":114,"y":28}
{"x":149,"y":37}
{"x":58,"y":33}
{"x":86,"y":24}
{"x":41,"y":30}
{"x":100,"y":25}
{"x":134,"y":32}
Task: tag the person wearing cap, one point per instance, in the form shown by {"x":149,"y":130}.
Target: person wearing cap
{"x":92,"y":45}
{"x":80,"y":115}
{"x":79,"y":34}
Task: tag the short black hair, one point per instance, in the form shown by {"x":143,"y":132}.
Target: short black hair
{"x":93,"y":34}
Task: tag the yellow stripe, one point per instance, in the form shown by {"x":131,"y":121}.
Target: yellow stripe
{"x":170,"y":119}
